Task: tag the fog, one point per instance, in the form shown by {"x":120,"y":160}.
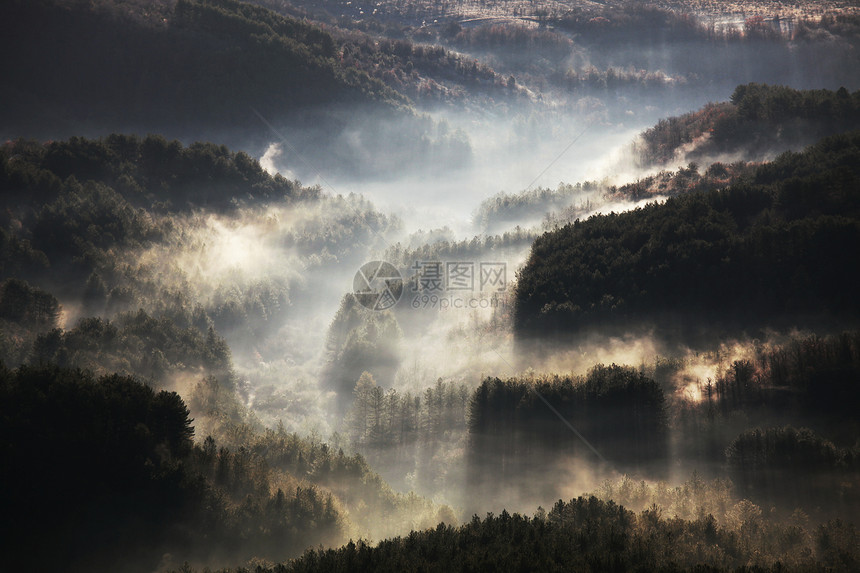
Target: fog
{"x":291,"y":372}
{"x":300,"y":261}
{"x":298,"y":357}
{"x":281,"y":354}
{"x":361,"y":318}
{"x":507,"y":155}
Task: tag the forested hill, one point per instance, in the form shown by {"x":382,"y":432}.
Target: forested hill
{"x":777,"y":249}
{"x":589,"y":534}
{"x":149,"y":172}
{"x":72,"y":205}
{"x":76,"y":67}
{"x":759,"y":119}
{"x":109,"y":478}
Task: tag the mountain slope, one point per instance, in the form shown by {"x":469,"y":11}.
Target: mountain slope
{"x":758,"y":120}
{"x":78,"y":68}
{"x":779,"y":249}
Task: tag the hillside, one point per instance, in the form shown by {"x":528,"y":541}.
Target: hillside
{"x":588,"y":534}
{"x":759,"y":120}
{"x":777,"y":250}
{"x":210,"y":70}
{"x":84,"y":67}
{"x":74,"y":204}
{"x":133,"y":479}
{"x":101,"y":342}
{"x":408,"y":285}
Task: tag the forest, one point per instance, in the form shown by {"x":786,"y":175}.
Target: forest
{"x":588,"y":534}
{"x":756,"y":119}
{"x":620,"y":243}
{"x":777,"y":246}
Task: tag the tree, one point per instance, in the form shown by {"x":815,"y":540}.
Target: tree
{"x":361,"y":415}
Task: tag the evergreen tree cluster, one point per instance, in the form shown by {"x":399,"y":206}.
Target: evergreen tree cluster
{"x":27,"y":305}
{"x":775,"y":250}
{"x":758,"y":119}
{"x":136,"y":344}
{"x":105,"y":474}
{"x":25,"y":313}
{"x":426,"y":74}
{"x":202,"y":62}
{"x":105,"y":471}
{"x":519,"y":429}
{"x":589,"y":534}
{"x":149,"y":172}
{"x":360,"y":341}
{"x":414,"y":434}
{"x":380,"y":419}
{"x":784,"y":423}
{"x":775,"y":464}
{"x":75,"y":205}
{"x":806,"y":377}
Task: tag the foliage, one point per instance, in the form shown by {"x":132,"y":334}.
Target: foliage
{"x":507,"y":207}
{"x":136,"y":344}
{"x":25,"y":312}
{"x":758,"y":119}
{"x":444,"y":249}
{"x":367,"y":504}
{"x":588,"y":534}
{"x":360,"y":340}
{"x":23,"y":304}
{"x":111,"y":459}
{"x":77,"y":206}
{"x":149,"y":172}
{"x":684,"y":180}
{"x":808,"y":376}
{"x":416,"y":434}
{"x":769,"y":251}
{"x":426,"y":74}
{"x":774,"y":464}
{"x":198,"y":47}
{"x":746,"y":416}
{"x":519,"y":426}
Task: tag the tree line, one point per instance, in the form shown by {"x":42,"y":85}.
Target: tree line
{"x":76,"y":202}
{"x":757,"y":119}
{"x":106,"y":472}
{"x":771,"y":250}
{"x":196,"y":45}
{"x":589,"y":534}
{"x":782,"y":422}
{"x":520,"y":428}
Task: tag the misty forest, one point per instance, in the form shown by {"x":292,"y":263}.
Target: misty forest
{"x":429,"y":285}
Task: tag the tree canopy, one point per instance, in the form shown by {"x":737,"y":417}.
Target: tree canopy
{"x":776,"y":248}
